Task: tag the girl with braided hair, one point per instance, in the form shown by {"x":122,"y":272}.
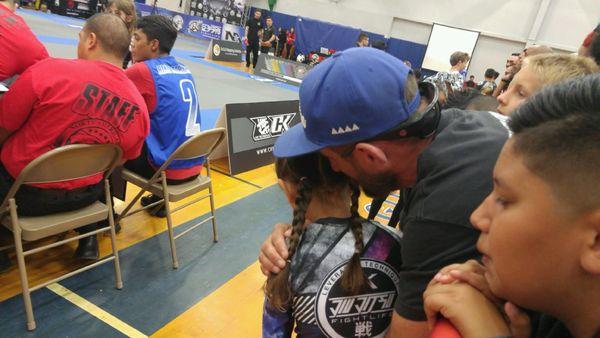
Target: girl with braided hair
{"x":342,"y":279}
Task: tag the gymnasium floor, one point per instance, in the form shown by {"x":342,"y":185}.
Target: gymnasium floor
{"x":216,"y":292}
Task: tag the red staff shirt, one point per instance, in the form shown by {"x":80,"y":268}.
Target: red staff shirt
{"x":58,"y":102}
{"x":19,"y":48}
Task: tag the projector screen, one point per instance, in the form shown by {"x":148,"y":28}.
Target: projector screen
{"x":445,"y":40}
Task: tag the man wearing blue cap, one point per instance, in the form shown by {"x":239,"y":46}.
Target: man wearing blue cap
{"x":364,"y":111}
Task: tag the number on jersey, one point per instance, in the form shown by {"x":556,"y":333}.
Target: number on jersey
{"x":188,"y":93}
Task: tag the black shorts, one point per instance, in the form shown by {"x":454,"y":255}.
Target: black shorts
{"x":34,"y":201}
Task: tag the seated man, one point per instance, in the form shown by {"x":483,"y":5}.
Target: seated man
{"x":57,"y":102}
{"x":170,"y":94}
{"x":19,"y":48}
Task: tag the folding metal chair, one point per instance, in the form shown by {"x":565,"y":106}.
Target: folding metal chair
{"x":199,"y":145}
{"x":59,"y":165}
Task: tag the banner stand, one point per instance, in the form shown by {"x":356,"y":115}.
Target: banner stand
{"x":283,"y":70}
{"x":226,"y":51}
{"x":252,"y":129}
{"x":209,"y":51}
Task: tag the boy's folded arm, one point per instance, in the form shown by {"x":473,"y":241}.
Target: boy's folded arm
{"x":469,"y":310}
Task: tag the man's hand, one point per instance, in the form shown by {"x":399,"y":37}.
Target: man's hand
{"x":274,"y":251}
{"x":468,"y":309}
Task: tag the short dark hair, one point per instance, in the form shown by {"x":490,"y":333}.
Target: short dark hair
{"x":417,"y":72}
{"x":489,"y":72}
{"x":161,"y":28}
{"x":362,"y":36}
{"x":111,"y":32}
{"x":595,"y":49}
{"x":557,"y":131}
{"x":379,"y":44}
{"x":496,"y":74}
{"x":470,"y":99}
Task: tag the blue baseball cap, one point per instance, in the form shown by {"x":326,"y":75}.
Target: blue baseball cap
{"x":354,"y":95}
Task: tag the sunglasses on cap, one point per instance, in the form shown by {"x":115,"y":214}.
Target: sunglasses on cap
{"x":422,"y":124}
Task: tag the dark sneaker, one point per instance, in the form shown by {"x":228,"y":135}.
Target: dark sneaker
{"x":88,"y":248}
{"x":147,"y":200}
{"x":5,"y":262}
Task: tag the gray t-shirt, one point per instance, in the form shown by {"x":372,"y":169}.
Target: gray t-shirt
{"x":454,"y":176}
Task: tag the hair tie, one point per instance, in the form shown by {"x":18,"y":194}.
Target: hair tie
{"x":304,"y":180}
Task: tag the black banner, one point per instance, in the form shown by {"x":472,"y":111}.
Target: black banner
{"x":77,"y":8}
{"x":279,"y":69}
{"x":225,"y":11}
{"x":253,"y":128}
{"x":221,"y":50}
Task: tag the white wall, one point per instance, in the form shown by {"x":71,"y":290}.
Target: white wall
{"x":567,"y":22}
{"x":491,"y":53}
{"x":172,"y":5}
{"x":410,"y":30}
{"x":506,"y":26}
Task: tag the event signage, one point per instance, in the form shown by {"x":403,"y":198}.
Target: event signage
{"x":252,"y":129}
{"x":196,"y":26}
{"x":279,"y":69}
{"x":232,"y":33}
{"x":221,"y":50}
{"x":218,"y":10}
{"x":204,"y":29}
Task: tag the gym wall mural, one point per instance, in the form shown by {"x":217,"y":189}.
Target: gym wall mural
{"x":225,"y":11}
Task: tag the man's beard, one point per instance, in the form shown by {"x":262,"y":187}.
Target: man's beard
{"x":378,"y":186}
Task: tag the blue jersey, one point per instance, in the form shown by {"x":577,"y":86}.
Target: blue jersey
{"x":176,"y":117}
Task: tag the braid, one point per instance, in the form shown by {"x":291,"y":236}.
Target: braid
{"x":303,"y":198}
{"x":354,"y":277}
{"x":277,"y":288}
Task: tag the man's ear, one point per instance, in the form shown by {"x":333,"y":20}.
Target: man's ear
{"x":590,"y":257}
{"x":288,"y":190}
{"x":91,"y":41}
{"x":370,"y":155}
{"x":155,"y":46}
